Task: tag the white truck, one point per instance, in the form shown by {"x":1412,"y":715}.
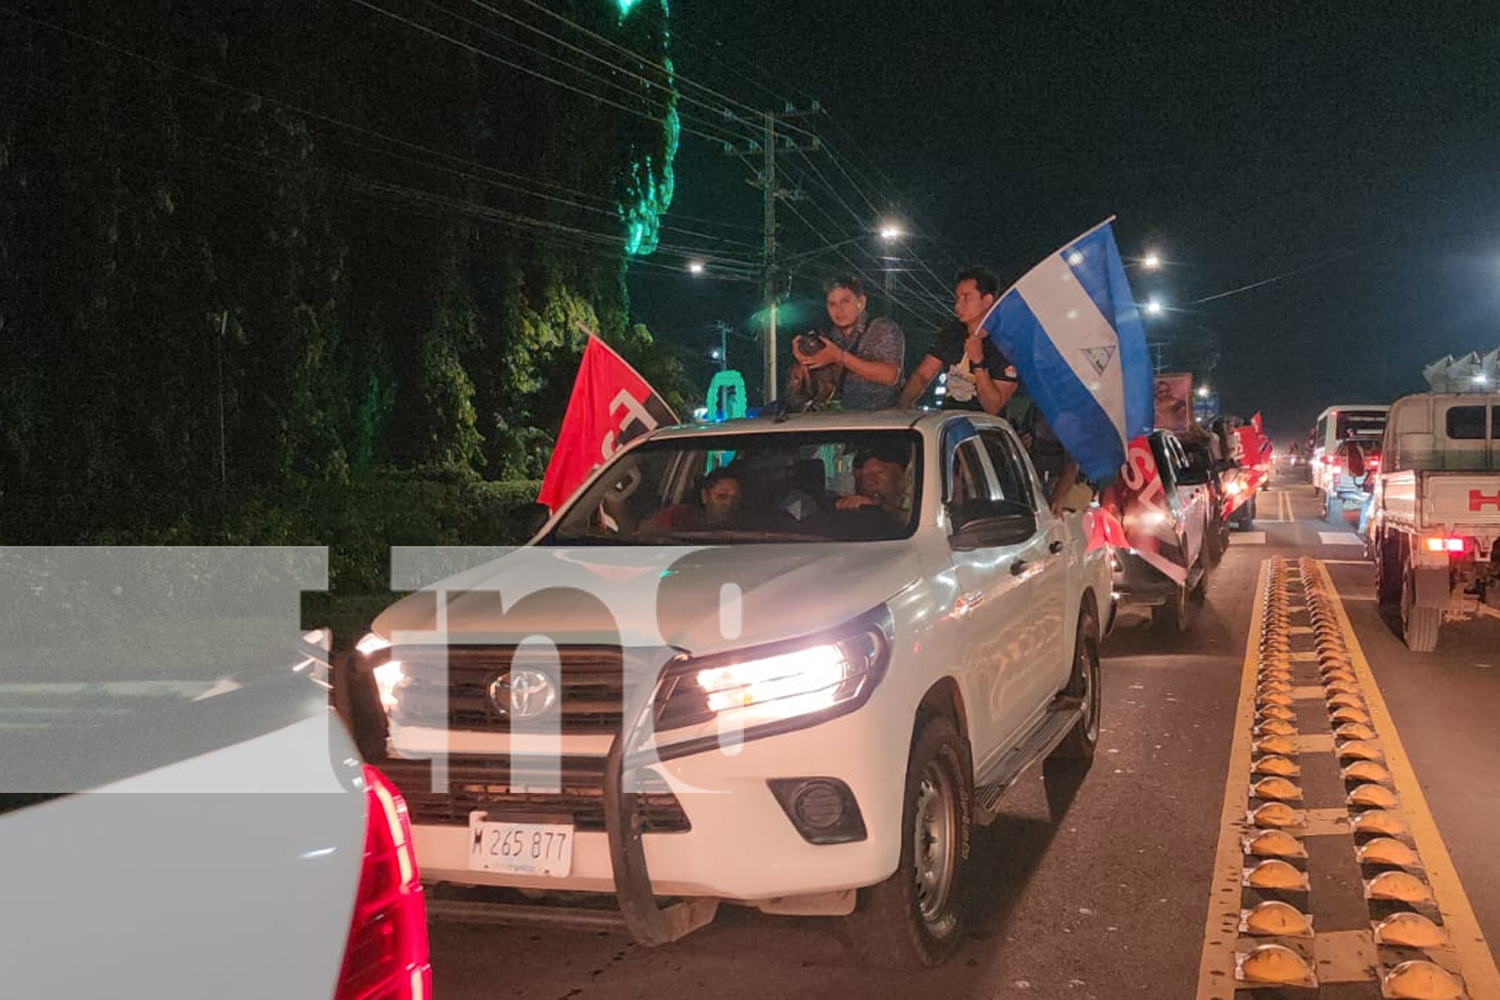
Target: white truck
{"x":1435,"y":514}
{"x":799,"y":703}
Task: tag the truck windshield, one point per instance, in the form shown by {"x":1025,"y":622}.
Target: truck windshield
{"x":752,"y":488}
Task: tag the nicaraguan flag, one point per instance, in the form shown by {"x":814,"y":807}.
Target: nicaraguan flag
{"x":1071,"y":328}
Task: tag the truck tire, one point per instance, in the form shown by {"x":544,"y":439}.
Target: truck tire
{"x":1244,"y":517}
{"x":915,"y":919}
{"x":1419,"y":625}
{"x":1077,"y":748}
{"x":1387,"y":577}
{"x":1213,"y":541}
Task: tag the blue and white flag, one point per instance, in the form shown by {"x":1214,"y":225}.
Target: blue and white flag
{"x":1071,"y":328}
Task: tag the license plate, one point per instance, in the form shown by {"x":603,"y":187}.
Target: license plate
{"x":520,"y":848}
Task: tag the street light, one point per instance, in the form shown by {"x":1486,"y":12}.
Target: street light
{"x":696,"y":267}
{"x":1154,"y":307}
{"x":1203,"y":392}
{"x":1151,"y":262}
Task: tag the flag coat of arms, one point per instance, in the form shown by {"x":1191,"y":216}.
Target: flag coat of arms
{"x":610,"y":405}
{"x":1071,"y":328}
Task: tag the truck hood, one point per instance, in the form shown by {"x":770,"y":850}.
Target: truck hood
{"x":701,"y":600}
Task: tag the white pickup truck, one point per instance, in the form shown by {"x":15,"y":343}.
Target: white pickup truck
{"x":1435,"y":515}
{"x":798,"y":702}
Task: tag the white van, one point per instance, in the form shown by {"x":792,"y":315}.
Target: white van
{"x":1364,"y":423}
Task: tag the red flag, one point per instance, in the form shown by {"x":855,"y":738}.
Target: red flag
{"x":610,"y":405}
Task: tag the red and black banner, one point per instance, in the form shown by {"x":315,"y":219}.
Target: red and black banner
{"x":611,"y":404}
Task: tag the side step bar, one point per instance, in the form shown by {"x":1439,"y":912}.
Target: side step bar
{"x":1055,"y":724}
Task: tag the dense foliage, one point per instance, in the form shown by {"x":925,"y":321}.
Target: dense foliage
{"x":278,"y":273}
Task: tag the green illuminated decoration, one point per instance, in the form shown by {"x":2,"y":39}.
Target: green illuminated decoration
{"x":646,"y":184}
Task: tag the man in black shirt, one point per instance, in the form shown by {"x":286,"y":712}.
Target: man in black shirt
{"x":980,"y":377}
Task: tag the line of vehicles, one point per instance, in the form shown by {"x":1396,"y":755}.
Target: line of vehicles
{"x":809,"y":709}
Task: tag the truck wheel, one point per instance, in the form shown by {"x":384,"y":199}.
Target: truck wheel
{"x":1176,"y":615}
{"x":1387,"y":577}
{"x":914,"y":919}
{"x":1078,"y":746}
{"x":1419,"y":625}
{"x":1213,"y":542}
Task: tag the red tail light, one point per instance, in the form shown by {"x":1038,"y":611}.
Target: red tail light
{"x":1372,"y":463}
{"x":1445,"y":543}
{"x":386,"y":958}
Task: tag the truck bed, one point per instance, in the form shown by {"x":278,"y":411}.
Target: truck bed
{"x":1455,"y":502}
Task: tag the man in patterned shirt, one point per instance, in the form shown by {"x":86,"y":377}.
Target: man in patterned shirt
{"x":858,"y":358}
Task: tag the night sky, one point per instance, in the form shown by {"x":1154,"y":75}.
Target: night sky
{"x":1353,"y":159}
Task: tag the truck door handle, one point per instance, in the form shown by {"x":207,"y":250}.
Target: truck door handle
{"x":1018,"y":567}
{"x":1055,"y":547}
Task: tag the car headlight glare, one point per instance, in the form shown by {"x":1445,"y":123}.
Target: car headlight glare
{"x":829,"y":673}
{"x":808,"y":676}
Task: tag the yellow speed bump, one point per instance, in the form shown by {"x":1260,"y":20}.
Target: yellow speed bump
{"x":1410,"y":930}
{"x":1387,"y":851}
{"x":1275,"y":844}
{"x":1403,"y":887}
{"x":1274,"y":964}
{"x":1276,"y":789}
{"x":1276,"y":765}
{"x":1354,"y":731}
{"x":1275,"y":727}
{"x":1276,"y":712}
{"x":1277,"y":815}
{"x":1358,"y":750}
{"x":1380,"y":822}
{"x":1357,"y":716}
{"x":1277,"y":874}
{"x":1420,"y":980}
{"x":1274,"y":918}
{"x":1282,"y":698}
{"x":1372,"y":797}
{"x":1366,"y":770}
{"x":1283,"y":746}
{"x":1344,"y":699}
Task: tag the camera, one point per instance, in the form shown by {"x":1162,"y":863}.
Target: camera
{"x":810,"y":342}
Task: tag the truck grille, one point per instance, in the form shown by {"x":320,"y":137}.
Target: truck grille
{"x":448,"y":687}
{"x":498,"y":786}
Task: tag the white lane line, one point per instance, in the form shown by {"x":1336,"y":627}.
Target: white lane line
{"x":1339,"y":538}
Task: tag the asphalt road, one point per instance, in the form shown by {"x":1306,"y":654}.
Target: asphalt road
{"x":1106,"y":893}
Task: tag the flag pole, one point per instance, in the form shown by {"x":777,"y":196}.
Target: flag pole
{"x":605,"y":344}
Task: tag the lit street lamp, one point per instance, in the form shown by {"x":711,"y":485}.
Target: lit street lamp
{"x":1154,"y":307}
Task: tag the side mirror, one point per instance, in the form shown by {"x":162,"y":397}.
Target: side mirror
{"x":527,"y":519}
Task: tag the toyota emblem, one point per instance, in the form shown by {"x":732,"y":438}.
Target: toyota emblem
{"x":522,"y":693}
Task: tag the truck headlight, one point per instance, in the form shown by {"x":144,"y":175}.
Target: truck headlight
{"x":822,"y":676}
{"x":375,"y":650}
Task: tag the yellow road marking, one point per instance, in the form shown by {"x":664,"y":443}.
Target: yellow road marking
{"x":1221,"y":929}
{"x":1475,"y":961}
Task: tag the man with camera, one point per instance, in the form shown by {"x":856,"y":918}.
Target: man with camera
{"x":857,"y":359}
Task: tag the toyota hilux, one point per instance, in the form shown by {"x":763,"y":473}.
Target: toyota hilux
{"x":801,"y":701}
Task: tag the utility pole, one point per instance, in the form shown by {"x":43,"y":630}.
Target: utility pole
{"x":769,"y":143}
{"x":219,"y":356}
